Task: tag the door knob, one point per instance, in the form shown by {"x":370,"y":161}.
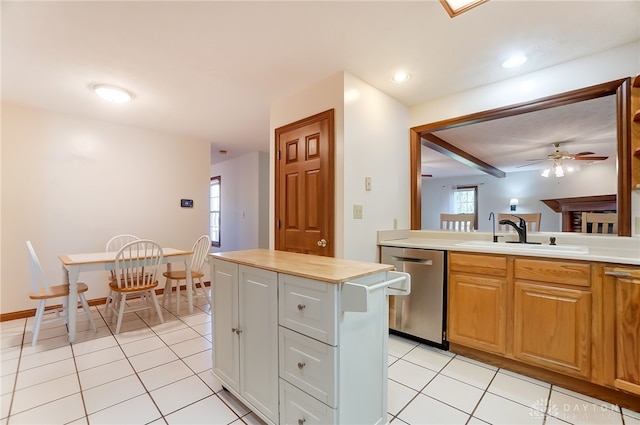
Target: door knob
{"x":322,"y":243}
{"x":301,"y":365}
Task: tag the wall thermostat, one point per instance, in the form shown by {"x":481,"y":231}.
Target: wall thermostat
{"x":186,"y":203}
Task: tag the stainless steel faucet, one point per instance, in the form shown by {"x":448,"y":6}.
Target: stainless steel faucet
{"x":493,"y":217}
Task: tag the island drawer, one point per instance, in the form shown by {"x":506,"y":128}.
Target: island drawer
{"x":563,"y":272}
{"x":297,"y":407}
{"x":309,"y":365}
{"x":308,"y":307}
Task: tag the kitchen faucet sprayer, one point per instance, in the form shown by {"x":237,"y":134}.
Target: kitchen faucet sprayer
{"x":493,"y":217}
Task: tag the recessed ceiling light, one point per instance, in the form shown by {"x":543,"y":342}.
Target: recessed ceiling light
{"x":400,"y":77}
{"x":112,"y":93}
{"x":514,"y":61}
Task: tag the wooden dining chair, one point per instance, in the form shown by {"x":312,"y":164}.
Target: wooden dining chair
{"x":532,"y":219}
{"x":457,"y":222}
{"x":42,"y":291}
{"x":200,"y":250}
{"x":137,"y":265}
{"x":603,"y":223}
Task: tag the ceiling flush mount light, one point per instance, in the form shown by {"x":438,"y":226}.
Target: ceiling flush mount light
{"x":400,"y":77}
{"x":456,"y":7}
{"x":112,"y":93}
{"x":514,"y":61}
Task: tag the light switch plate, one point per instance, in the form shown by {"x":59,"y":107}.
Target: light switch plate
{"x":357,"y":211}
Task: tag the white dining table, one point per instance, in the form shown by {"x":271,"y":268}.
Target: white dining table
{"x":74,"y":264}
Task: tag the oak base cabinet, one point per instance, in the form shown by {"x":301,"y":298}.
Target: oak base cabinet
{"x":477,"y":301}
{"x":552,"y":328}
{"x":622,"y":329}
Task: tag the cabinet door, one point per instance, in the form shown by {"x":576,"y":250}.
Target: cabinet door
{"x":477,"y":311}
{"x":623,"y":328}
{"x":225,"y":322}
{"x":552,"y":327}
{"x":259,"y":339}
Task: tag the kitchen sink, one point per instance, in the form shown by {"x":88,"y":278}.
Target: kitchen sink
{"x":566,"y":249}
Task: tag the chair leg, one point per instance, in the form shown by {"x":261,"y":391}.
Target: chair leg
{"x":177,"y":297}
{"x":37,"y":322}
{"x":155,"y":302}
{"x":167,"y":292}
{"x":122,"y":302}
{"x":87,"y":311}
{"x":106,"y":304}
{"x":203,"y":289}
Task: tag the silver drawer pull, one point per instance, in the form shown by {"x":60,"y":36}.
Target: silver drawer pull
{"x":301,"y":365}
{"x":623,"y":274}
{"x":301,"y":307}
{"x":301,"y":421}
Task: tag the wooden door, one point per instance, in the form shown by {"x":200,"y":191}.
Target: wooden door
{"x":304,"y":186}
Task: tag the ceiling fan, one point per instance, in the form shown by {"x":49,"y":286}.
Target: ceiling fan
{"x":559,"y":155}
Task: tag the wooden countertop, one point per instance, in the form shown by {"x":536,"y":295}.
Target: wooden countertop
{"x":325,"y":269}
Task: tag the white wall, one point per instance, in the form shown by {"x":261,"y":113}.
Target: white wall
{"x":322,"y":96}
{"x":70,"y":183}
{"x":376,"y":145}
{"x":244,"y":190}
{"x":621,"y":62}
{"x":371,"y":136}
{"x":528,"y":186}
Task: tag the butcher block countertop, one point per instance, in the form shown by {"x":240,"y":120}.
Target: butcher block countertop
{"x":325,"y":269}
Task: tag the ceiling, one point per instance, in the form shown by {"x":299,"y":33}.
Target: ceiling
{"x":523,"y":142}
{"x":211,"y":69}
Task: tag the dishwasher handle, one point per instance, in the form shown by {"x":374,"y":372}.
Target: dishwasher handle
{"x":413,"y":260}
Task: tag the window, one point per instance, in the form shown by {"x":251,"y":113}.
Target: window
{"x":214,"y":216}
{"x":465,"y":201}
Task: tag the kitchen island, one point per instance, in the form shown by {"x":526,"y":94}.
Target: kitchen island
{"x":565,"y":313}
{"x":301,"y":338}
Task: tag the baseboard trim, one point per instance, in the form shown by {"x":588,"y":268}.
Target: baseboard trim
{"x":96,"y":301}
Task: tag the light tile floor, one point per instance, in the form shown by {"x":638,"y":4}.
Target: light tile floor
{"x":154,"y":373}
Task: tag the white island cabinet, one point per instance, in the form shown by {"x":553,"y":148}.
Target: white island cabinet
{"x":302,"y":339}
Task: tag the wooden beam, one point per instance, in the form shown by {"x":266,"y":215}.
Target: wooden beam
{"x":440,"y":145}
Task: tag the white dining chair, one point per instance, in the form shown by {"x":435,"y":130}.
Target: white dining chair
{"x":137,"y":265}
{"x":200,"y":250}
{"x":113,"y":245}
{"x":42,"y":291}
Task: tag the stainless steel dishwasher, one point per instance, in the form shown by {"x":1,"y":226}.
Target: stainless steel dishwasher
{"x":422,"y":313}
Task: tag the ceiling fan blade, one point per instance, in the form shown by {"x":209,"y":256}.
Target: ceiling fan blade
{"x":590,"y":158}
{"x":584,"y":153}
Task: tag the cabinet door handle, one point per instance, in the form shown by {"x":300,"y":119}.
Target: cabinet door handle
{"x":623,"y":274}
{"x":301,"y":365}
{"x":301,"y":307}
{"x":301,"y":421}
{"x":237,"y":331}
